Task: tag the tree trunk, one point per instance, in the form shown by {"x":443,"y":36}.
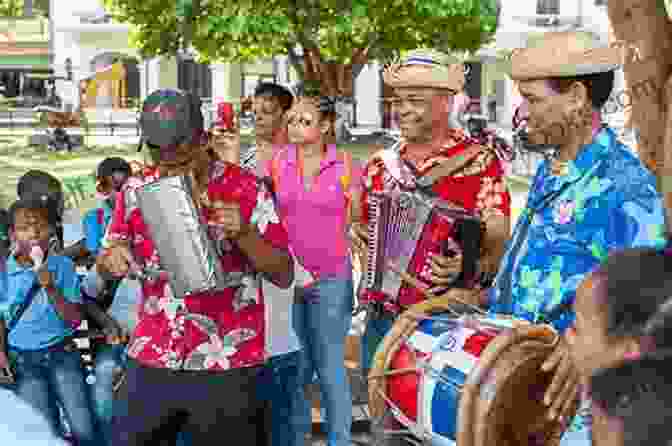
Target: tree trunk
{"x":330,"y":79}
{"x":644,"y":27}
{"x":334,"y":79}
{"x":28,"y":8}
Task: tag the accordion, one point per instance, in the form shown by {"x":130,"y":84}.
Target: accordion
{"x":186,"y":252}
{"x":405,"y":229}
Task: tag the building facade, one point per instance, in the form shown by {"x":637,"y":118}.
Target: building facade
{"x":24,"y":58}
{"x":526,"y":19}
{"x":82,"y":33}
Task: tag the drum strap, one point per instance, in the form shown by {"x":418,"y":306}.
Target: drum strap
{"x":449,"y":167}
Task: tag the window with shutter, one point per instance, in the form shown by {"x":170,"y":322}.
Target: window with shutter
{"x":548,"y":6}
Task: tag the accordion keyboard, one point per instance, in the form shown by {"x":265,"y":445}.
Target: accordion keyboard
{"x":375,"y":211}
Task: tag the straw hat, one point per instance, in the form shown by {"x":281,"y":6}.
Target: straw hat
{"x":563,"y":54}
{"x":425,"y":68}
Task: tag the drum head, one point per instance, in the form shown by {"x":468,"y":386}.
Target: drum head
{"x":492,"y":410}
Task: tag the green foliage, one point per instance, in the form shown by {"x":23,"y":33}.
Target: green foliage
{"x":245,"y":30}
{"x":11,"y":8}
{"x":14,"y":8}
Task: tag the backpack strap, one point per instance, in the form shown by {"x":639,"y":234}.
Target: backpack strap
{"x":23,"y":306}
{"x":346,"y":157}
{"x":101,"y":216}
{"x":275,"y":171}
{"x":346,"y":182}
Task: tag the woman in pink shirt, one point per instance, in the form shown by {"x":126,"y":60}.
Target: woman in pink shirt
{"x":312,"y":180}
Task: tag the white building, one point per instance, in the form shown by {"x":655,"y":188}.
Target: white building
{"x":81,"y":33}
{"x":526,"y":18}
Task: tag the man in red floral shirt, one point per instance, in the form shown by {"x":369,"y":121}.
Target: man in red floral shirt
{"x":193,"y":361}
{"x":426,"y":84}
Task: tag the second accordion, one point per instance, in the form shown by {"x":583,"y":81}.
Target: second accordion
{"x":181,"y":238}
{"x":405,"y":229}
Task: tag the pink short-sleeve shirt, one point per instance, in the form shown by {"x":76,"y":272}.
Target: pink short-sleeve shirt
{"x":316,"y":217}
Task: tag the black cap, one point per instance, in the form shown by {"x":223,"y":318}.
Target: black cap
{"x":108,"y":166}
{"x":170,"y":117}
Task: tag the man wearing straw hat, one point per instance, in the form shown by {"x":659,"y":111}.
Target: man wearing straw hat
{"x":590,"y":197}
{"x":426,"y":83}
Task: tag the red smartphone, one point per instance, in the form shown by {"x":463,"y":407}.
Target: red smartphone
{"x":224,"y":115}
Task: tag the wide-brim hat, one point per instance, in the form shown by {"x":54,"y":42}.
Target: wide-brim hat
{"x":563,"y":54}
{"x":426,"y":69}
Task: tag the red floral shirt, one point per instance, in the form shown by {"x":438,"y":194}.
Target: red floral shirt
{"x":477,"y":188}
{"x":201,"y":331}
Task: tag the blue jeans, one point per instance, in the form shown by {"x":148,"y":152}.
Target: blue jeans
{"x":322,"y":322}
{"x":47,"y":377}
{"x":281,"y":385}
{"x":109,"y":359}
{"x":374,"y":332}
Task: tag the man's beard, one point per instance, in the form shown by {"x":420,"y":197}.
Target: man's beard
{"x":549,"y":145}
{"x":522,"y":142}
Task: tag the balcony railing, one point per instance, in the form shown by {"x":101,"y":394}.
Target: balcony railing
{"x":103,"y":19}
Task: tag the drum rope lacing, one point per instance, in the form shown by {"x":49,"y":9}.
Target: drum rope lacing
{"x":413,"y":427}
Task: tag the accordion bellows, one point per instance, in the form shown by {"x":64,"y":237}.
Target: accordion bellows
{"x":405,"y":229}
{"x":185,"y":250}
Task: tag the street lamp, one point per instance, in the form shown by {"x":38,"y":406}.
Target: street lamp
{"x":68,"y":68}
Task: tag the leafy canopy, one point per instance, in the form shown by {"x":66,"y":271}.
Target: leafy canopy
{"x":14,"y":8}
{"x":245,"y":30}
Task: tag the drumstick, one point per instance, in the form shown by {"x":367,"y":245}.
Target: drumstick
{"x":423,"y":288}
{"x":122,"y":340}
{"x":394,"y":372}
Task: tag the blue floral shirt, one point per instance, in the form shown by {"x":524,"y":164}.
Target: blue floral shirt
{"x":606,"y":200}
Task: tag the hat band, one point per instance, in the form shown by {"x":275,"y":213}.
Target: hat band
{"x":415,"y":60}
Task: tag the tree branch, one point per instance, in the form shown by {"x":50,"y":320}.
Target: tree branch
{"x":296,"y":61}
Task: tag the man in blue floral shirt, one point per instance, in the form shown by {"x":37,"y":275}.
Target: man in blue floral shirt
{"x":591,"y":197}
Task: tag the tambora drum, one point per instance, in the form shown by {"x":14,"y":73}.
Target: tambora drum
{"x":464,"y":380}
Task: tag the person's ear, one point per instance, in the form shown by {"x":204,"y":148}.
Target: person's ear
{"x":578,"y":95}
{"x":325,"y":126}
{"x":570,"y":335}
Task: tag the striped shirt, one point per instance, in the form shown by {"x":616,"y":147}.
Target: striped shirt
{"x":248,"y":157}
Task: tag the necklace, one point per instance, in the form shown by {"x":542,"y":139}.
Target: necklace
{"x":559,"y":168}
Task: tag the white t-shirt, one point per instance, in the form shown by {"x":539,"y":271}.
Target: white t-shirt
{"x":23,"y":426}
{"x":280,"y":335}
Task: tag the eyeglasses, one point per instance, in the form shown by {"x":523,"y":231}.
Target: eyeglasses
{"x":265,"y":105}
